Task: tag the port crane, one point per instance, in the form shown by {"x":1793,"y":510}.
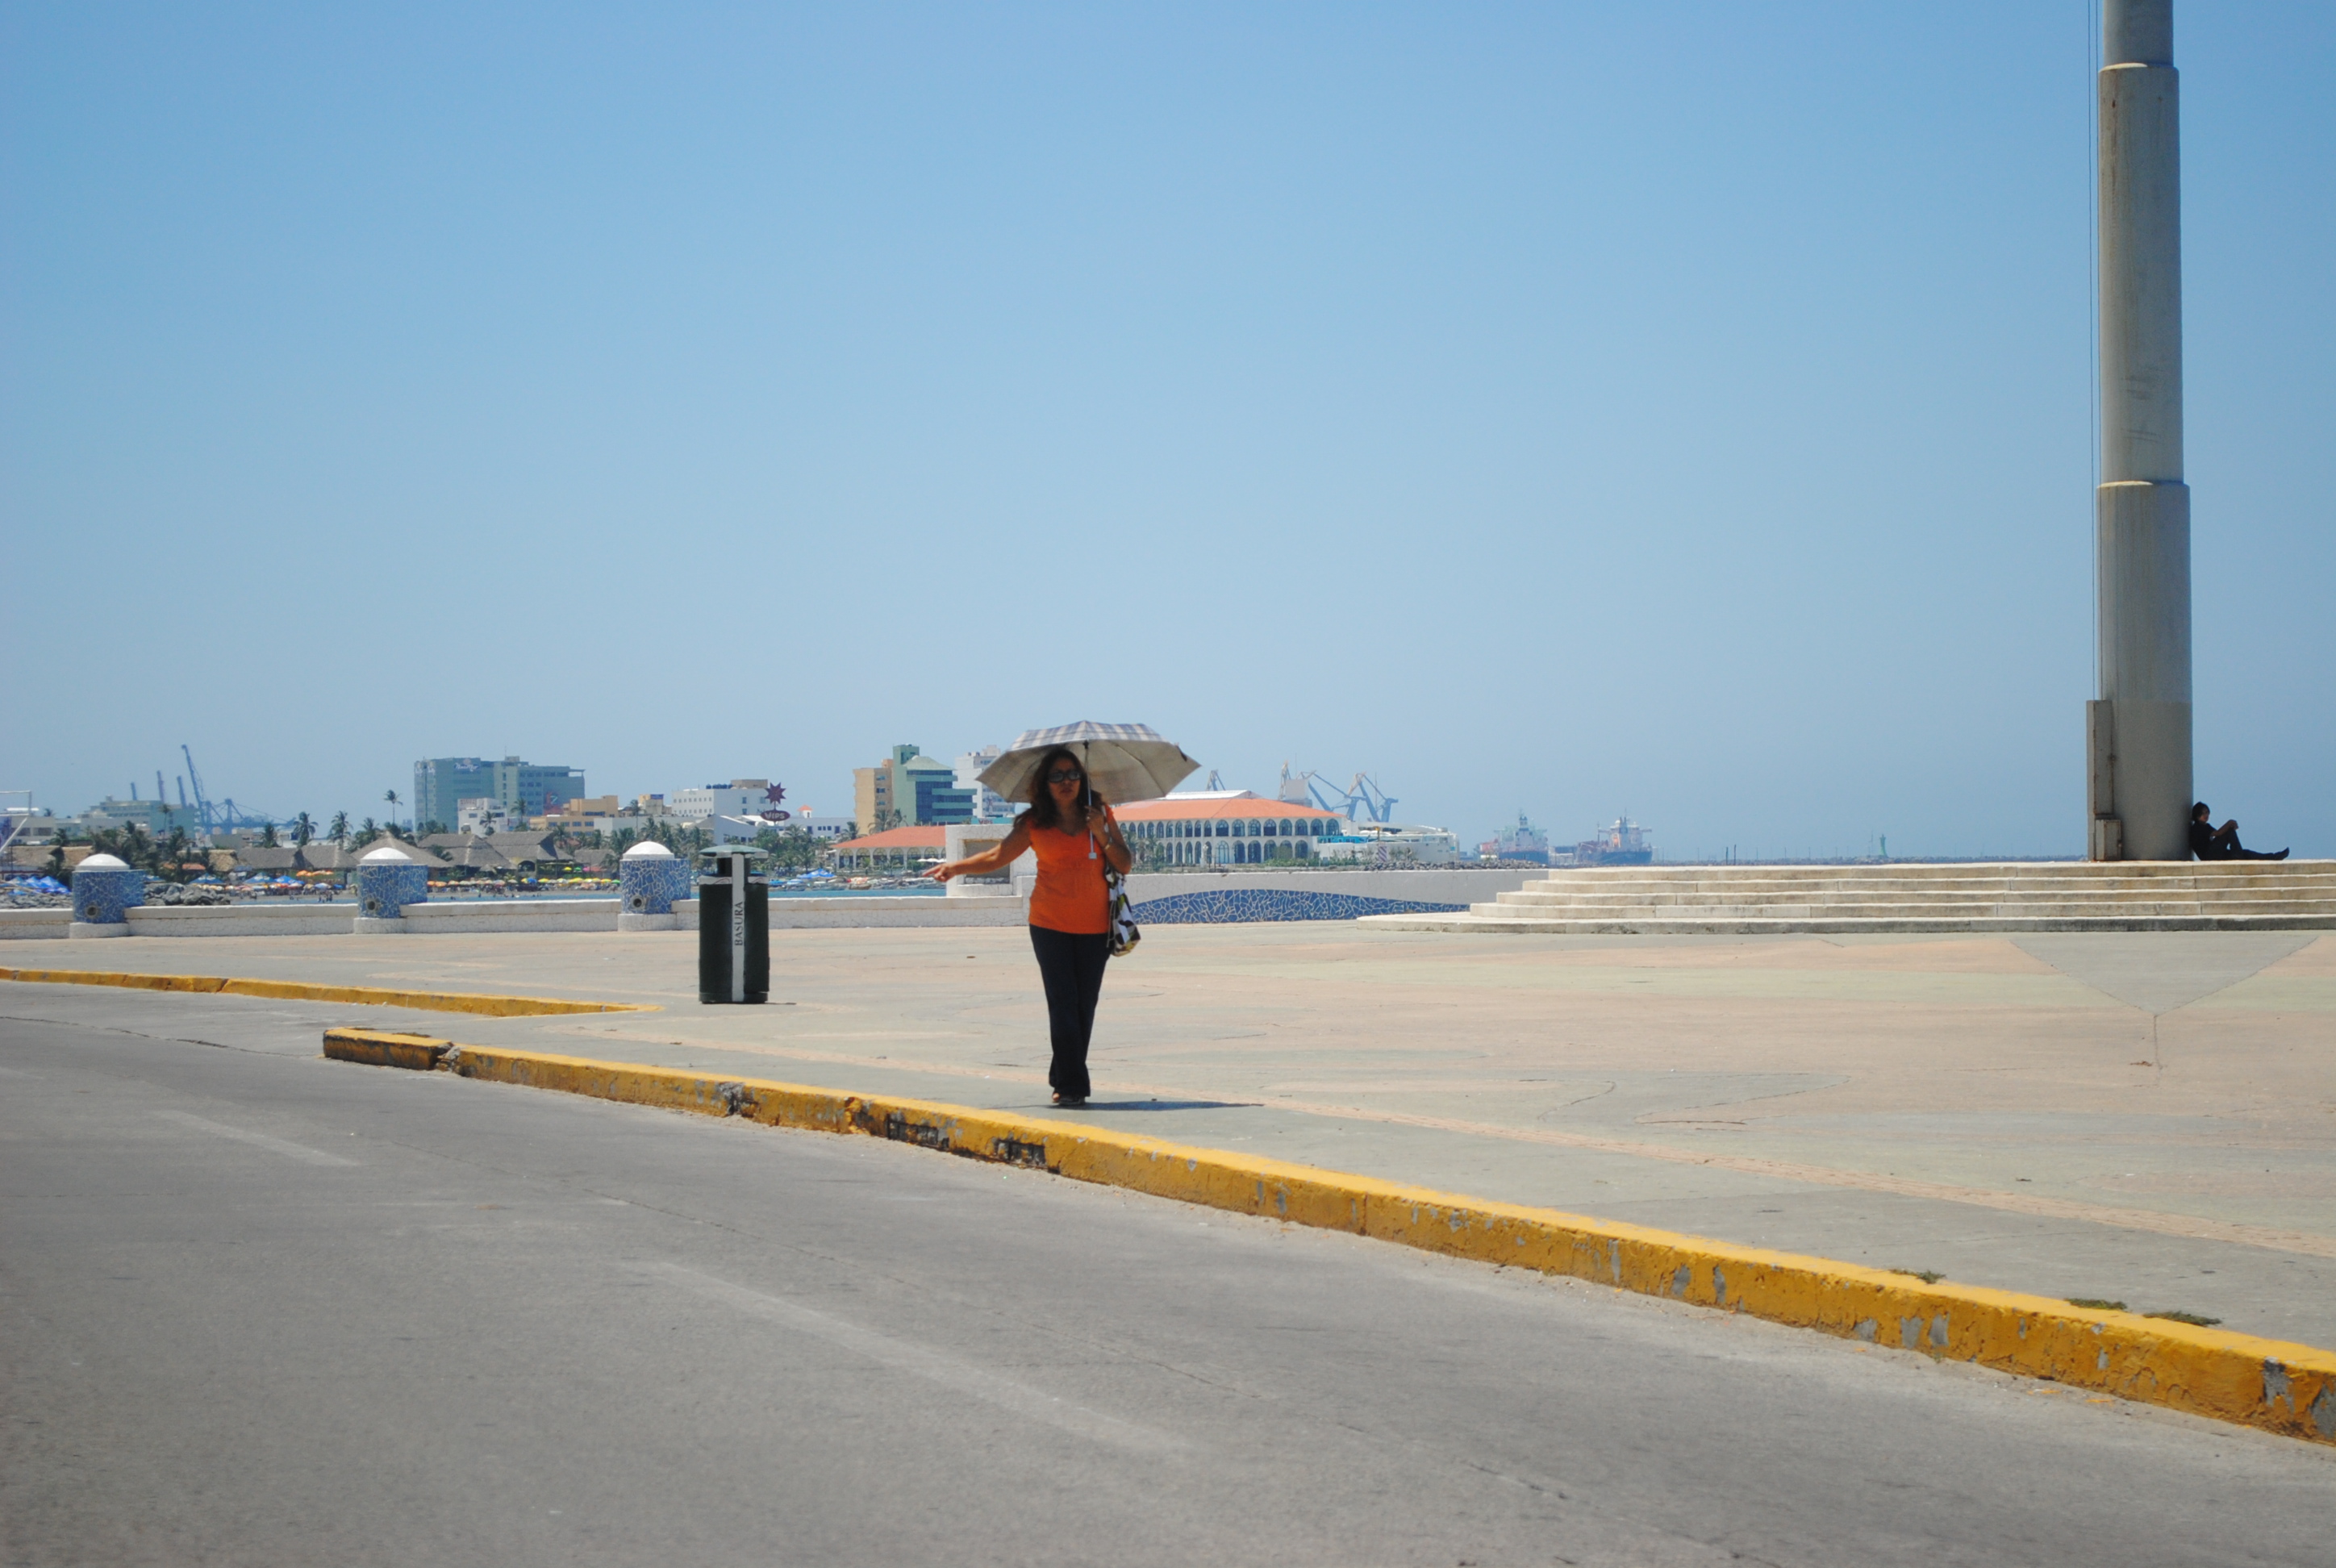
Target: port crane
{"x":226,"y":816}
{"x":1362,"y":800}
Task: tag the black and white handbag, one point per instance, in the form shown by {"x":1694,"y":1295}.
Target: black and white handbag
{"x":1123,"y":934}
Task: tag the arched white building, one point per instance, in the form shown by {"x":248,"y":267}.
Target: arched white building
{"x":1225,"y":828}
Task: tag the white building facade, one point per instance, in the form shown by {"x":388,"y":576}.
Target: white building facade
{"x":1225,"y":828}
{"x":481,"y":814}
{"x":1394,"y":844}
{"x":741,"y":797}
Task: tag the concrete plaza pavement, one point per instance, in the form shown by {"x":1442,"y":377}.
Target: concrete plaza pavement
{"x":2147,"y":1117}
{"x":258,"y":1307}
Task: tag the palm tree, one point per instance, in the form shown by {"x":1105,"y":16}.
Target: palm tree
{"x":129,"y":844}
{"x":170,"y":858}
{"x":391,"y":796}
{"x":684,"y":841}
{"x":790,"y":848}
{"x":267,"y":834}
{"x":303,"y":828}
{"x":339,"y":831}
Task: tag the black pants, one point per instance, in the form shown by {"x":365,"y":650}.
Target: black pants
{"x":2224,"y":845}
{"x":1071,"y":965}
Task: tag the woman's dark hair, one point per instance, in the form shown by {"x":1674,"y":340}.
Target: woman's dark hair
{"x":1043,"y":814}
{"x":2201,"y":810}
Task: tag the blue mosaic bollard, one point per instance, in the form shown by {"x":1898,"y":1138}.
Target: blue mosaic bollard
{"x":650,"y":878}
{"x":104,"y":891}
{"x":387,"y":879}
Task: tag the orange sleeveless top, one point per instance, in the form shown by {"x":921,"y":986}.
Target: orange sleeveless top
{"x":1070,"y":895}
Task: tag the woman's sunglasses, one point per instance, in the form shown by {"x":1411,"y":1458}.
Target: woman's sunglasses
{"x":1064,"y":775}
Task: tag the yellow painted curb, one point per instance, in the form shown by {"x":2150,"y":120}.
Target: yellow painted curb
{"x":2282,"y":1388}
{"x":300,"y":991}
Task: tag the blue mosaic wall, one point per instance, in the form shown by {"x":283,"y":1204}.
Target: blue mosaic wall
{"x":1237,"y":905}
{"x":101,"y":897}
{"x":384,"y":888}
{"x":649,"y":883}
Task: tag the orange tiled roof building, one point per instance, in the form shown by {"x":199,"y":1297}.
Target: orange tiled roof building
{"x":905,"y":847}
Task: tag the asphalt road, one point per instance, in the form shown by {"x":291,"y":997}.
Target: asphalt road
{"x":260,"y":1307}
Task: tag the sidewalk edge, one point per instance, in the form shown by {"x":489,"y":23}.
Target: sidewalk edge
{"x":2278,"y":1386}
{"x":301,"y":991}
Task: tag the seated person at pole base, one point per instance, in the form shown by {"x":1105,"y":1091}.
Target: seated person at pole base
{"x":2210,"y":842}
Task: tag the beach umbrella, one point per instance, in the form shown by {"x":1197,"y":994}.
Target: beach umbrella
{"x":1124,"y":762}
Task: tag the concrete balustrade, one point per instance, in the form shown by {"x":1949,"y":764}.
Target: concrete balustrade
{"x":241,"y":920}
{"x":1161,"y":898}
{"x":2004,"y":896}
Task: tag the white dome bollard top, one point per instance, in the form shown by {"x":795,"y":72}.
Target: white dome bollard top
{"x":104,"y":891}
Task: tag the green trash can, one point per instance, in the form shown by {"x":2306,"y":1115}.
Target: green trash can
{"x":734,"y":927}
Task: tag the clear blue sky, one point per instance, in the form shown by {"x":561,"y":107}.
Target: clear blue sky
{"x":1684,"y":408}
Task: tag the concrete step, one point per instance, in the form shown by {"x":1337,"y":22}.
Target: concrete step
{"x":2248,"y":895}
{"x":2054,"y":909}
{"x":1933,"y":870}
{"x":1531,"y":899}
{"x":1659,"y":891}
{"x":2302,"y":877}
{"x":2099,"y":884}
{"x":2105,"y":874}
{"x":1916,"y":889}
{"x":1840,"y":925}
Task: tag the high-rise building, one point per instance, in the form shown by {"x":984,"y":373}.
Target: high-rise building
{"x":939,"y":800}
{"x":988,"y":805}
{"x":526,"y":789}
{"x":916,"y":787}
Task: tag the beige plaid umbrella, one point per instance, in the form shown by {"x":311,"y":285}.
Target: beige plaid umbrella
{"x":1124,"y":762}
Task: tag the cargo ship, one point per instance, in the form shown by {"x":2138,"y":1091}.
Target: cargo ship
{"x":1523,"y":841}
{"x":1621,"y":842}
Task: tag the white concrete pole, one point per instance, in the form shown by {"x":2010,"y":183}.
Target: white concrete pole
{"x":2139,"y":732}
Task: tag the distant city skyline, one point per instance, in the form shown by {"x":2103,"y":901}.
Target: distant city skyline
{"x":1684,"y":410}
{"x":1561,"y":835}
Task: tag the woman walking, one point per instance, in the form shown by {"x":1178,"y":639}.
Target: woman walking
{"x":1072,"y":830}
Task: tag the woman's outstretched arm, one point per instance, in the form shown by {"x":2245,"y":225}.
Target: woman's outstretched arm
{"x":997,"y":858}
